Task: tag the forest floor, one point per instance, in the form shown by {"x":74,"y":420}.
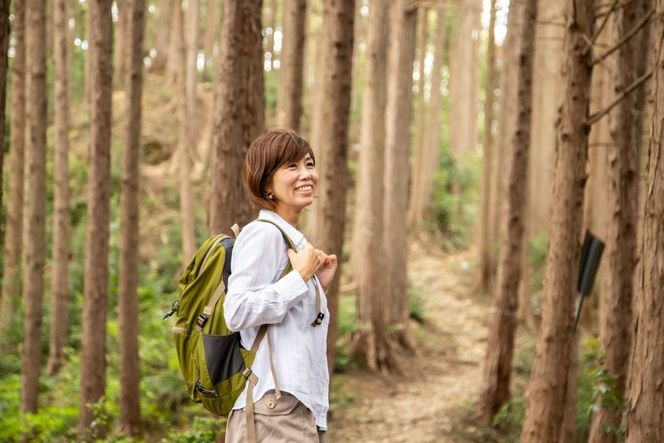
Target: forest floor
{"x":431,"y":401}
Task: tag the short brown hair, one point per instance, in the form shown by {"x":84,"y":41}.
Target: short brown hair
{"x":267,"y":153}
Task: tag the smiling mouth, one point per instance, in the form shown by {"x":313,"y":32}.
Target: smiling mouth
{"x":304,"y":188}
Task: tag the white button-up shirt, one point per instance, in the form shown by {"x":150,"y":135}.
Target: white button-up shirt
{"x":257,"y":296}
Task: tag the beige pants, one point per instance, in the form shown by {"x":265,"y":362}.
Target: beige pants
{"x":286,"y":420}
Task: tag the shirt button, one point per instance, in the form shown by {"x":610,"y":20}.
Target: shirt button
{"x":270,"y":404}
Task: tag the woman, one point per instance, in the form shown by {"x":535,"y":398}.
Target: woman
{"x":292,"y":389}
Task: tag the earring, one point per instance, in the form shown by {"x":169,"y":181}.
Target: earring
{"x":270,"y":195}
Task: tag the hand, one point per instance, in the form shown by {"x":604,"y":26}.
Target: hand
{"x":327,"y":270}
{"x":307,"y":261}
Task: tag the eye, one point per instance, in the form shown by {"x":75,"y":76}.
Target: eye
{"x":311,"y":164}
{"x":291,"y":166}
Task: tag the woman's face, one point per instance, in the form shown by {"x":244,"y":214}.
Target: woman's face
{"x":294,"y":184}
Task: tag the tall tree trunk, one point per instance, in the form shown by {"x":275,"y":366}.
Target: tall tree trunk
{"x":93,"y":352}
{"x":34,"y":237}
{"x":120,"y":49}
{"x":186,"y":141}
{"x":130,"y":411}
{"x":4,"y":47}
{"x":415,"y":204}
{"x":616,"y":303}
{"x":646,"y":390}
{"x":173,"y":58}
{"x":60,"y":272}
{"x":163,"y":37}
{"x":272,"y":24}
{"x":486,"y":265}
{"x":430,"y":154}
{"x":464,"y":80}
{"x":211,"y":35}
{"x":500,"y":347}
{"x":397,"y":136}
{"x":239,"y":112}
{"x":506,"y":121}
{"x":547,"y":387}
{"x":289,"y":101}
{"x":333,"y":116}
{"x":371,"y":341}
{"x":11,"y":275}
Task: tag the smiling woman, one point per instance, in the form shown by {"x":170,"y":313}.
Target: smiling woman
{"x":279,"y":279}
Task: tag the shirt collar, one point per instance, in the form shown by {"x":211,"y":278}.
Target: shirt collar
{"x":290,"y":230}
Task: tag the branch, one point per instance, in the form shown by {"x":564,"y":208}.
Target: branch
{"x":638,"y":82}
{"x":600,"y":28}
{"x":625,"y":37}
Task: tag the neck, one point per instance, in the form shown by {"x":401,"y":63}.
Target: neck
{"x":291,"y":215}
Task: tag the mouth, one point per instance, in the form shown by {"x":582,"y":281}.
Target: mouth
{"x":305,"y":188}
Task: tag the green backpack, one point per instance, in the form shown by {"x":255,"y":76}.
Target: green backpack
{"x":214,"y":365}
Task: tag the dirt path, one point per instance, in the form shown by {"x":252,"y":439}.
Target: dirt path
{"x":442,"y":378}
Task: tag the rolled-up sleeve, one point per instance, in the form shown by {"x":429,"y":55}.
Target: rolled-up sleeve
{"x":253,"y":299}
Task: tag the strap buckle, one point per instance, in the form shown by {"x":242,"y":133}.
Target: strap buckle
{"x":319,"y":319}
{"x":202,"y":319}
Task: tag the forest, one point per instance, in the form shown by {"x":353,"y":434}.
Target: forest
{"x":491,"y":179}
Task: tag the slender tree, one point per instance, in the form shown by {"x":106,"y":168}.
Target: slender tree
{"x":95,"y":296}
{"x":646,"y":390}
{"x":333,"y":116}
{"x":11,"y":276}
{"x":397,"y":134}
{"x":186,"y":139}
{"x":548,"y":383}
{"x":486,"y":265}
{"x":289,"y":101}
{"x":60,"y":272}
{"x":506,"y":121}
{"x":34,"y":237}
{"x":130,"y":412}
{"x":211,"y":34}
{"x":371,"y":341}
{"x":616,"y":303}
{"x":4,"y":47}
{"x":163,"y":37}
{"x":120,"y":50}
{"x":239,"y":111}
{"x":272,"y":25}
{"x":498,"y":361}
{"x":415,"y":204}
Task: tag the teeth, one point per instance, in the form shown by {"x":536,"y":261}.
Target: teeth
{"x":304,"y":188}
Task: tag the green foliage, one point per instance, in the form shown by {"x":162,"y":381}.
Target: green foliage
{"x":203,"y":430}
{"x":346,"y":325}
{"x":451,"y":215}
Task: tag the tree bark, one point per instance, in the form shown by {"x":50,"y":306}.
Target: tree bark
{"x":95,"y":296}
{"x":548,"y":383}
{"x":120,"y":48}
{"x":415,"y":204}
{"x":60,"y":272}
{"x":500,"y":347}
{"x":506,"y":122}
{"x":397,"y":173}
{"x":163,"y":37}
{"x":130,"y":411}
{"x":239,"y":111}
{"x":272,"y":24}
{"x":371,"y":340}
{"x":211,"y":35}
{"x":289,"y":101}
{"x":486,"y":265}
{"x":4,"y":47}
{"x":464,"y":80}
{"x":186,"y":138}
{"x":34,"y":234}
{"x":333,"y":116}
{"x":644,"y":417}
{"x":616,"y":302}
{"x":13,"y":244}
